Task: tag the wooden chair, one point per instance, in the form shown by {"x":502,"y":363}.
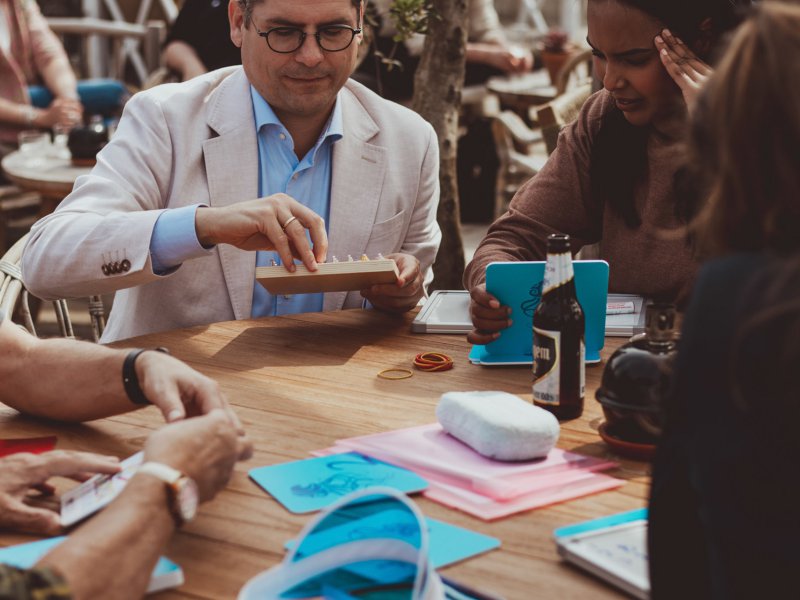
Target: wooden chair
{"x":559,"y":112}
{"x":516,"y":144}
{"x":576,"y":72}
{"x":13,"y":295}
{"x":18,"y":211}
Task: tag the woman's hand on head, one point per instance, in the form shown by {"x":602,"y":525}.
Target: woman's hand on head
{"x":687,"y":71}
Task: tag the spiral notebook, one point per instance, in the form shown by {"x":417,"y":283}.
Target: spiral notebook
{"x":519,"y":285}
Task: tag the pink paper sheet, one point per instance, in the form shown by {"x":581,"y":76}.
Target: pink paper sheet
{"x":429,"y":451}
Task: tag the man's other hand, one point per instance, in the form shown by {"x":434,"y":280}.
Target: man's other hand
{"x":402,"y":295}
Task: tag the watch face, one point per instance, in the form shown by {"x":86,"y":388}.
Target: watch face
{"x":186,"y":498}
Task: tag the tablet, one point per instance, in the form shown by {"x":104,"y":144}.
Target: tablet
{"x":445,"y":311}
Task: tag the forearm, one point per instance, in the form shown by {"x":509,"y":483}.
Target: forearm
{"x":13,"y":113}
{"x":61,"y":379}
{"x":113,"y":555}
{"x":59,"y":78}
{"x":181,"y":57}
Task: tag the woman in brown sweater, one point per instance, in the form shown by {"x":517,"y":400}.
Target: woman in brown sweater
{"x":614,"y":177}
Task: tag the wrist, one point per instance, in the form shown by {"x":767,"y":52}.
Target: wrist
{"x":203,"y":220}
{"x":31,"y":116}
{"x":132,"y":376}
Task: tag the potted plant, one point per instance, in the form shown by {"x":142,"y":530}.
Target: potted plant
{"x":556,"y":50}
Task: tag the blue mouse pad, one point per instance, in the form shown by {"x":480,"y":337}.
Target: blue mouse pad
{"x":519,"y":285}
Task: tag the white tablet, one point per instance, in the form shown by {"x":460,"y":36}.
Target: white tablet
{"x":446,"y":311}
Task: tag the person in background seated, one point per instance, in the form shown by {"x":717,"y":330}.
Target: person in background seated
{"x":112,"y":555}
{"x":200,"y":39}
{"x":208,"y":178}
{"x":30,"y":52}
{"x":614,"y":177}
{"x":488,"y":52}
{"x":724,"y":519}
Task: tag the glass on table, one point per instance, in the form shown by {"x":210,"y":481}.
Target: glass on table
{"x":34,"y":145}
{"x":60,"y":140}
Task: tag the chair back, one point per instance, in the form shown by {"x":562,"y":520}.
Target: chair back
{"x":12,"y":289}
{"x":554,"y":115}
{"x":517,"y":154}
{"x":576,"y":72}
{"x":14,"y":296}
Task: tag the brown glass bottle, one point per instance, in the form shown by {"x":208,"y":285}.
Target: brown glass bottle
{"x":559,"y":371}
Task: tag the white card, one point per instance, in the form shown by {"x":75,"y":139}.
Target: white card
{"x":97,"y":492}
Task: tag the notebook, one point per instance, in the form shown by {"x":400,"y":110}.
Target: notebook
{"x":613,"y":548}
{"x":519,"y":285}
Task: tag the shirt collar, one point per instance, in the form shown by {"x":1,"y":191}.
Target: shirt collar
{"x":265,"y":116}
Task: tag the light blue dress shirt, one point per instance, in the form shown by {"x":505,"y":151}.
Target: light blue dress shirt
{"x":308,"y":181}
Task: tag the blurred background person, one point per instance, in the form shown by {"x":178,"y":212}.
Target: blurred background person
{"x":723,"y":509}
{"x":489,"y":53}
{"x":200,"y":39}
{"x":30,"y":53}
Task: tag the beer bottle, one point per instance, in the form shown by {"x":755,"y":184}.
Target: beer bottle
{"x":559,"y":373}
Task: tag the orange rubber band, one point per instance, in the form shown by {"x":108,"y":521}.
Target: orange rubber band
{"x":401,"y":374}
{"x":433,"y":361}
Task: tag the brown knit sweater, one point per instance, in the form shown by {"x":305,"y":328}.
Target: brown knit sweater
{"x":652,"y":260}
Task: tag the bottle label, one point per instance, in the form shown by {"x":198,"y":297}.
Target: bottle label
{"x":546,"y":371}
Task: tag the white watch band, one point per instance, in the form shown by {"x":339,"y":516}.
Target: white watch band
{"x":164,"y":472}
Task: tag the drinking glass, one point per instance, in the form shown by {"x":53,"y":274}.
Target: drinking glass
{"x":34,"y":146}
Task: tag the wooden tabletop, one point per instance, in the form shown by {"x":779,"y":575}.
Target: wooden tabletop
{"x":301,"y":382}
{"x":50,"y":176}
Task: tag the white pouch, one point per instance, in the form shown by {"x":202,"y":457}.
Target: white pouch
{"x":369,"y":541}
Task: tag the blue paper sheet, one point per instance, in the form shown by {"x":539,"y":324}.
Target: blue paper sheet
{"x":312,"y":484}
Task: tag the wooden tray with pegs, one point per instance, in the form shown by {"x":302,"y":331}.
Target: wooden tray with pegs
{"x":331,"y":277}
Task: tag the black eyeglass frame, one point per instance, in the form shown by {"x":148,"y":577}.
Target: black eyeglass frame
{"x":304,"y":35}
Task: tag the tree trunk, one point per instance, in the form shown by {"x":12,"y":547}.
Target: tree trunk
{"x":437,"y":97}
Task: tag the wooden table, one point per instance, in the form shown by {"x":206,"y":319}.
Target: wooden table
{"x":51,"y":177}
{"x":301,"y":382}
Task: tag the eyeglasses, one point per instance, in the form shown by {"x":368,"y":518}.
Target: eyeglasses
{"x":331,"y":38}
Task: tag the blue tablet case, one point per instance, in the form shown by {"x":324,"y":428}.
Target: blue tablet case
{"x":519,"y":285}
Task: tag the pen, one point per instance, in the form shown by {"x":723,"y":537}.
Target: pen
{"x":464,"y":592}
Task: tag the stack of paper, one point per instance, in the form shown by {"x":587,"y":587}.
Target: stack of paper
{"x":488,"y":489}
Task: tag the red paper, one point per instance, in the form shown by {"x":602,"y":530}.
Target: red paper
{"x":35,"y":445}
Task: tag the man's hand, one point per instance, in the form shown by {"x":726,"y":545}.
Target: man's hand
{"x":509,"y":59}
{"x":277,"y":222}
{"x":488,"y":316}
{"x":22,"y":473}
{"x":204,"y":448}
{"x":178,"y":390}
{"x":687,"y":71}
{"x":402,"y":295}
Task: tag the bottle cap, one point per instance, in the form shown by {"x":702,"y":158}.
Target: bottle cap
{"x":558,"y":242}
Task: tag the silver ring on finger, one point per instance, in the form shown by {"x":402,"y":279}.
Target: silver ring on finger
{"x":288,"y":222}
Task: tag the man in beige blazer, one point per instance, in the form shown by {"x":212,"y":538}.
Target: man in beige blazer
{"x":196,"y":143}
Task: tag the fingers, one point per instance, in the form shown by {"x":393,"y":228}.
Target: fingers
{"x":68,"y":463}
{"x":16,"y":515}
{"x":488,"y":316}
{"x":288,"y":233}
{"x":405,"y":292}
{"x":680,"y":62}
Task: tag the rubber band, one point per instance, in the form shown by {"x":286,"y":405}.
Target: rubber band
{"x":433,"y":361}
{"x":402,"y":374}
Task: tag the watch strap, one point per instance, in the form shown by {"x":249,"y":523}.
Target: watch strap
{"x":164,"y":472}
{"x":130,"y":380}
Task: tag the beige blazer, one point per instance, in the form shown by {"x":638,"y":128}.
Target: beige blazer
{"x":195,"y":142}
